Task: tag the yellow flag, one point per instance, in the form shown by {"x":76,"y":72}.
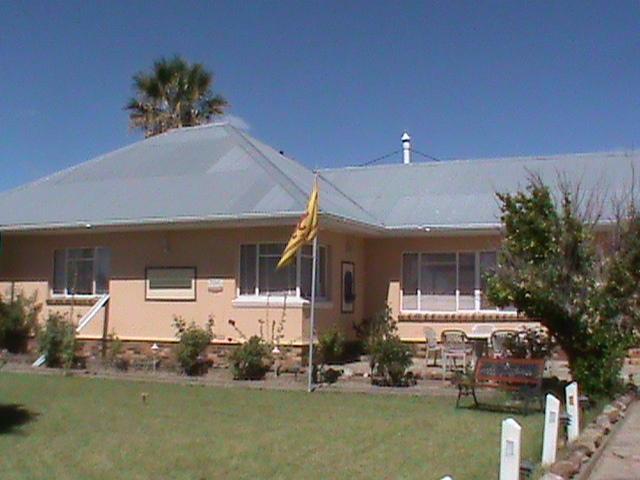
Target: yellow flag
{"x":305,"y":231}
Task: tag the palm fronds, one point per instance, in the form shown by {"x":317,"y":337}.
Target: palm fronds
{"x":173,"y":94}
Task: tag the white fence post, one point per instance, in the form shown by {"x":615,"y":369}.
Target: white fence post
{"x":510,"y":450}
{"x":550,"y":440}
{"x":573,"y":410}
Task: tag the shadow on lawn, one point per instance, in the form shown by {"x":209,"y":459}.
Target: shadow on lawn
{"x":13,"y":416}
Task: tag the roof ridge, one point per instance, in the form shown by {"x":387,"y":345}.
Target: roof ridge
{"x":300,"y":195}
{"x":516,"y":158}
{"x":350,"y":199}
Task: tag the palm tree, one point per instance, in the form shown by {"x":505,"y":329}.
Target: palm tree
{"x":174,"y":94}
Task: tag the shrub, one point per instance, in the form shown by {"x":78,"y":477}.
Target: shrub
{"x":250,"y":361}
{"x":57,"y":342}
{"x":193,"y":341}
{"x":114,"y":354}
{"x":331,"y":346}
{"x":330,"y":375}
{"x":389,"y":357}
{"x":529,"y":343}
{"x":18,"y":320}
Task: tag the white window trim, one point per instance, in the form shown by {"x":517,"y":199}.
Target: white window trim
{"x":477,"y":293}
{"x":296,"y":299}
{"x":66,"y":294}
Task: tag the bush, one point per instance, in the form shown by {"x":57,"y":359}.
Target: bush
{"x":193,"y":341}
{"x":331,"y":346}
{"x":529,"y":343}
{"x":251,"y":360}
{"x":114,"y":354}
{"x":57,"y":342}
{"x":389,"y":357}
{"x":18,"y":320}
{"x":329,"y":375}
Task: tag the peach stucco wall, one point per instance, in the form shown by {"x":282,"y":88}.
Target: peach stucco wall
{"x":27,"y":265}
{"x":383,"y":258}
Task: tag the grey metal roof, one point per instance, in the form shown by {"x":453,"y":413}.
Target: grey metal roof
{"x":214,"y":172}
{"x":461,"y":194}
{"x":217,"y":172}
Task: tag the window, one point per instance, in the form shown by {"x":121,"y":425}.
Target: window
{"x":446,"y":281}
{"x":171,"y":283}
{"x":81,"y":271}
{"x":258,"y":274}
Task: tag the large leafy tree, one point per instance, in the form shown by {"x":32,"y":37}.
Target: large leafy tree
{"x":549,"y":268}
{"x":173,"y":94}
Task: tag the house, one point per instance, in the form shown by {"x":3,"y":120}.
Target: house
{"x":192,"y":222}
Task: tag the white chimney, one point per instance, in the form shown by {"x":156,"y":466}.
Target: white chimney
{"x":406,"y":148}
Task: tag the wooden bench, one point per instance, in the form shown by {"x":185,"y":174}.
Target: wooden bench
{"x":522,"y":376}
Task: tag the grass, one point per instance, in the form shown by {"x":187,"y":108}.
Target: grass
{"x":100,"y":429}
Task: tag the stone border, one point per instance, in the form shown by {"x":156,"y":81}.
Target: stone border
{"x":580,"y":456}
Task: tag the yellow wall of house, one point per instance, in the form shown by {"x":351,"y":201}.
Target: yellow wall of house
{"x":27,"y":266}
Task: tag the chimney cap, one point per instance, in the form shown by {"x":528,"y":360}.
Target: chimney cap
{"x":405,"y":137}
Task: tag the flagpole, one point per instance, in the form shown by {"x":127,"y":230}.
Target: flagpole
{"x":313,"y":312}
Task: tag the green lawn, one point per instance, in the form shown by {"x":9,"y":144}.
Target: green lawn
{"x":87,"y":428}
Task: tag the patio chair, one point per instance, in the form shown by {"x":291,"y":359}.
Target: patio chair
{"x":498,"y":340}
{"x":431,"y":345}
{"x":454,"y":346}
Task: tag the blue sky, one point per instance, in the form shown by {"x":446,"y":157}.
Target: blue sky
{"x":330,"y":83}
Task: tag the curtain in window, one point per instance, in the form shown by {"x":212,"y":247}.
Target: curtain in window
{"x":410,"y":281}
{"x":438,"y":281}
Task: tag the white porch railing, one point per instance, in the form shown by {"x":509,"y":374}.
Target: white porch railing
{"x":84,"y":321}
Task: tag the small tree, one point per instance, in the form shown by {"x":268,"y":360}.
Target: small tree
{"x":548,"y":268}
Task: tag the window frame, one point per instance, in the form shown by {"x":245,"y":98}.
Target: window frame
{"x":477,"y":292}
{"x":298,"y":285}
{"x":194,"y":283}
{"x":94,"y":258}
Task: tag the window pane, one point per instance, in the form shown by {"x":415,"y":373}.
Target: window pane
{"x":103,"y":269}
{"x":466,"y":280}
{"x":321,"y":289}
{"x":410,"y":281}
{"x":274,"y":281}
{"x":79,"y":276}
{"x":248,"y":269}
{"x":80,"y":253}
{"x":59,"y":271}
{"x":272,"y":249}
{"x":306,"y":259}
{"x":487,"y":266}
{"x":438,"y":281}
